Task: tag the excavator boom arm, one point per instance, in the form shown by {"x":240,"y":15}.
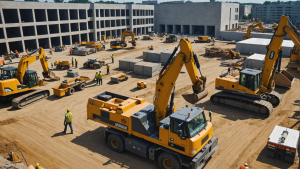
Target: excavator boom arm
{"x":251,"y":27}
{"x":169,"y":75}
{"x":26,"y":60}
{"x":284,"y":28}
{"x":128,"y":33}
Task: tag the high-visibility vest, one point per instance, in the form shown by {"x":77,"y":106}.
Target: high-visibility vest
{"x":69,"y":117}
{"x":70,"y":50}
{"x":75,"y":60}
{"x":107,"y":66}
{"x":112,"y":56}
{"x":96,"y":75}
{"x":100,"y":76}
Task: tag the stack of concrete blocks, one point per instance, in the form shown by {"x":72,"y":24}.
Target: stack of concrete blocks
{"x":237,"y":36}
{"x":157,"y":56}
{"x":259,"y":45}
{"x":147,"y":68}
{"x":255,"y":61}
{"x":128,"y":63}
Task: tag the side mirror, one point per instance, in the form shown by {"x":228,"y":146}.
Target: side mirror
{"x":180,"y":133}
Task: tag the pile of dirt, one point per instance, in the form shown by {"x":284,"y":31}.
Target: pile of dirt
{"x":216,"y":52}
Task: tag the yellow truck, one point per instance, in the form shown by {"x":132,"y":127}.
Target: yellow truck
{"x":68,"y":87}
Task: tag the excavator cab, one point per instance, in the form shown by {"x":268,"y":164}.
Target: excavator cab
{"x":116,"y":44}
{"x":8,"y":72}
{"x":250,"y":79}
{"x":30,"y":79}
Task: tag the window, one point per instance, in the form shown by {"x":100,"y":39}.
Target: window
{"x":249,"y":81}
{"x":197,"y":124}
{"x":176,"y":129}
{"x":226,"y":27}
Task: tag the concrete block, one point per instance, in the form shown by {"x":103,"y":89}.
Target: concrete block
{"x":255,"y":61}
{"x":154,"y":56}
{"x":237,"y":36}
{"x":133,"y":62}
{"x":151,"y":69}
{"x":124,"y":63}
{"x":145,"y":55}
{"x":72,"y":73}
{"x":165,"y":55}
{"x":258,"y":45}
{"x":139,"y":68}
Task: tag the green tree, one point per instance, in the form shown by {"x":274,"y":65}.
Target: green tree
{"x":32,"y":0}
{"x":212,"y":0}
{"x":267,"y":2}
{"x":189,"y":2}
{"x":59,"y":1}
{"x":250,"y":16}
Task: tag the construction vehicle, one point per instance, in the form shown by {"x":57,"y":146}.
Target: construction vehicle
{"x":80,"y":51}
{"x":93,"y":63}
{"x":68,"y":87}
{"x":59,"y":48}
{"x":283,"y":144}
{"x":62,"y":64}
{"x":160,"y":132}
{"x":150,"y":47}
{"x":119,"y":78}
{"x":152,"y":33}
{"x":162,"y":34}
{"x":19,"y":85}
{"x":141,"y":85}
{"x":94,"y":45}
{"x":253,"y":90}
{"x":171,"y":38}
{"x":200,"y":39}
{"x":294,"y":35}
{"x":251,"y":27}
{"x":120,"y":44}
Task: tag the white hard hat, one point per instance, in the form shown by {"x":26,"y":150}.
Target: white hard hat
{"x":246,"y":164}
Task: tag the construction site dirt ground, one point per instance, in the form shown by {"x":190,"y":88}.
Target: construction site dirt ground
{"x":37,"y":129}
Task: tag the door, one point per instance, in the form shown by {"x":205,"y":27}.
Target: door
{"x":179,"y":143}
{"x":31,"y":80}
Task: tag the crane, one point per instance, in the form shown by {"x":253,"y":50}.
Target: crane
{"x":18,"y":85}
{"x":158,"y":131}
{"x":253,"y":90}
{"x":249,"y":29}
{"x":122,"y":43}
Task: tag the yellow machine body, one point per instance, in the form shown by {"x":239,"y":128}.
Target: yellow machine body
{"x":62,"y":64}
{"x":203,"y":39}
{"x":141,"y":85}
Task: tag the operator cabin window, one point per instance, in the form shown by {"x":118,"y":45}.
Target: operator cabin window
{"x":176,"y":129}
{"x":196,"y":125}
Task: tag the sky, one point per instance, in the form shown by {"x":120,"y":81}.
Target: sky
{"x":140,"y":1}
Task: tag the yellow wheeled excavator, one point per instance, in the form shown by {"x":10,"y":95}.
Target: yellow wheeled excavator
{"x":158,"y":131}
{"x":250,"y":90}
{"x":251,"y":27}
{"x":120,"y":44}
{"x":19,"y":85}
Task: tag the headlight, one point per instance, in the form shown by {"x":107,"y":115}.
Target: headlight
{"x":194,"y":151}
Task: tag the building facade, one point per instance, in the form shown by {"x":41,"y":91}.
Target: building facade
{"x":272,"y":13}
{"x":245,"y":10}
{"x":29,"y":25}
{"x":203,"y":18}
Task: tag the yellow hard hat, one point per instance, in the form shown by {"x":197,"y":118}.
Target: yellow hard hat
{"x":68,"y":109}
{"x":37,"y":164}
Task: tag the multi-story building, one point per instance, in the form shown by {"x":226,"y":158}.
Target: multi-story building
{"x":272,"y":13}
{"x":29,"y":25}
{"x":245,"y":10}
{"x":201,"y":18}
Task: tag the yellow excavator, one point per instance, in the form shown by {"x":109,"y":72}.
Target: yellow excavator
{"x":158,"y":131}
{"x":250,"y":90}
{"x":103,"y":38}
{"x":120,"y":44}
{"x":19,"y":85}
{"x":253,"y":26}
{"x":294,"y":35}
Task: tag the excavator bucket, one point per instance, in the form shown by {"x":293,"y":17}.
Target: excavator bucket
{"x":284,"y":79}
{"x":51,"y":75}
{"x":200,"y":95}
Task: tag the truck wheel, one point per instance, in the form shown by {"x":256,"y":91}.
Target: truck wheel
{"x":70,"y":91}
{"x":85,"y":65}
{"x":115,"y":143}
{"x":66,"y":67}
{"x":208,"y":40}
{"x":58,"y":67}
{"x":168,"y":161}
{"x":95,"y":66}
{"x":81,"y":86}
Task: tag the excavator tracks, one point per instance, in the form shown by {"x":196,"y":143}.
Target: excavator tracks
{"x":247,"y":105}
{"x":29,"y":98}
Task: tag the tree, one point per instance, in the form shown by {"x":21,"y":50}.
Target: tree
{"x":267,"y":2}
{"x":32,"y":0}
{"x":79,"y":1}
{"x":189,"y":2}
{"x":250,"y":16}
{"x":212,"y":0}
{"x":59,"y":1}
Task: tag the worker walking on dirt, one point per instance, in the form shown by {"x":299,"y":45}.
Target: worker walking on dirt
{"x":103,"y":47}
{"x":37,"y":166}
{"x":107,"y":67}
{"x":72,"y":62}
{"x":100,"y":78}
{"x":51,"y":65}
{"x":112,"y":58}
{"x":210,"y":116}
{"x":70,"y":51}
{"x":245,"y":166}
{"x":51,"y":50}
{"x":96,"y":76}
{"x":10,"y":59}
{"x":68,"y":121}
{"x":76,"y":62}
